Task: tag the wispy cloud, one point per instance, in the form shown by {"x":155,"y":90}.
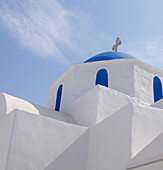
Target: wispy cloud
{"x":148,"y":50}
{"x":41,"y":26}
{"x":52,"y":31}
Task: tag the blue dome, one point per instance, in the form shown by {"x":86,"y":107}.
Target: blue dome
{"x":108,"y":56}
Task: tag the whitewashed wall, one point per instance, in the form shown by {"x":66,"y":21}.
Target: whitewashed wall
{"x":80,"y":78}
{"x":146,"y":126}
{"x":150,"y":158}
{"x":6,"y":125}
{"x":158,"y":104}
{"x":143,"y":83}
{"x":128,"y":76}
{"x":8,"y":103}
{"x":67,"y":80}
{"x":152,"y":166}
{"x":97,"y":104}
{"x":33,"y":141}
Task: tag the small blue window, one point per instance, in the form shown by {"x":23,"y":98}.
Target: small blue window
{"x":157,"y":89}
{"x":102,"y":77}
{"x":58,"y":98}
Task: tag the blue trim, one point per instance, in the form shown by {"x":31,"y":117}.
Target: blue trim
{"x":157,"y":89}
{"x":102,"y":77}
{"x":109,"y":56}
{"x":58,"y":98}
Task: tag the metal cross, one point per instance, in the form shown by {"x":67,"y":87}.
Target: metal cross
{"x":118,"y":42}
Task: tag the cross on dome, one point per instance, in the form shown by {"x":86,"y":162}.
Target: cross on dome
{"x":118,"y":42}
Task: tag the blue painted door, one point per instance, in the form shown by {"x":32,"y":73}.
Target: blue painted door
{"x":157,"y":89}
{"x":102,"y":77}
{"x":58,"y":98}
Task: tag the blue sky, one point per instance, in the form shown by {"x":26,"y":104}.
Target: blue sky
{"x":41,"y":39}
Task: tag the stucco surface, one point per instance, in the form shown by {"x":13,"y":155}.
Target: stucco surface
{"x":67,"y":80}
{"x":37,"y":140}
{"x":97,"y":127}
{"x":84,"y":109}
{"x":8,"y":103}
{"x":75,"y":157}
{"x":143,"y":85}
{"x":158,"y":104}
{"x":146,"y":126}
{"x":96,"y":105}
{"x":120,"y":136}
{"x":110,"y":141}
{"x":80,"y":78}
{"x":100,"y":147}
{"x":6,"y":125}
{"x":151,"y":166}
{"x":151,"y":153}
{"x":128,"y":76}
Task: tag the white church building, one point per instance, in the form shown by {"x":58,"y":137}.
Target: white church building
{"x":103,"y":114}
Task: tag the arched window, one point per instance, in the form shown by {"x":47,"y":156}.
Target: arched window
{"x":157,"y":89}
{"x":102,"y":77}
{"x":58,"y":98}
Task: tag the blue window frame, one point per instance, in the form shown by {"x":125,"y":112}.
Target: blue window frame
{"x":157,"y":89}
{"x":102,"y":77}
{"x":58,"y":98}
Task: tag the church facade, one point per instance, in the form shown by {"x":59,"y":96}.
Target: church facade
{"x":103,"y":114}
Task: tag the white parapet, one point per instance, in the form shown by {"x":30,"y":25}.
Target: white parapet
{"x":8,"y":103}
{"x":114,"y":141}
{"x":31,"y":142}
{"x":96,"y":105}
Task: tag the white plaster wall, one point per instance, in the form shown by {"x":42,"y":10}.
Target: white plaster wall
{"x":151,"y":154}
{"x":121,"y":77}
{"x":158,"y":104}
{"x":37,"y":140}
{"x":85,"y":77}
{"x":80,"y":78}
{"x":110,"y":101}
{"x":84,"y":109}
{"x":143,"y":83}
{"x":6,"y":124}
{"x":110,"y":142}
{"x":73,"y":158}
{"x":96,"y":105}
{"x":152,"y":166}
{"x":55,"y":114}
{"x":128,"y":76}
{"x":67,"y":80}
{"x":8,"y":103}
{"x":118,"y":70}
{"x":134,"y":127}
{"x":146,"y":126}
{"x":148,"y":68}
